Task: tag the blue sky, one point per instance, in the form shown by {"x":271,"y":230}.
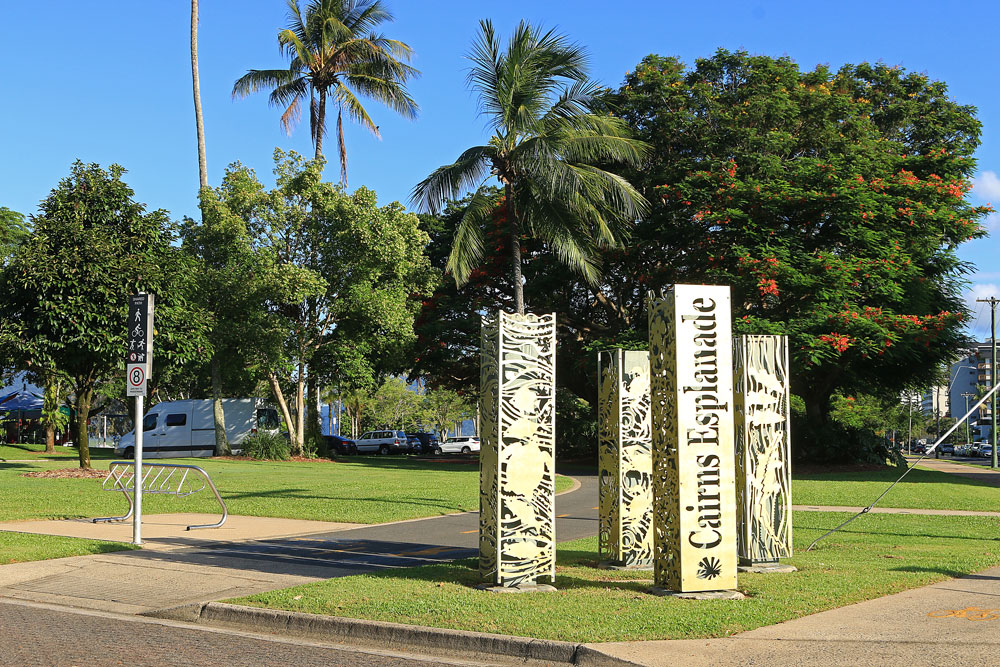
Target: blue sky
{"x":110,"y":82}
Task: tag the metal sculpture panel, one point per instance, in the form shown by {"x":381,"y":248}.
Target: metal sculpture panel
{"x":625,"y":457}
{"x":763,"y":449}
{"x":517,"y":458}
{"x":694,"y":503}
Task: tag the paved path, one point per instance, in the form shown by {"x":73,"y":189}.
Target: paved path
{"x":978,"y":470}
{"x":912,"y":628}
{"x":181,"y":567}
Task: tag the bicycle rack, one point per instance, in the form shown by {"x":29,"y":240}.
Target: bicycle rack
{"x":170,"y":479}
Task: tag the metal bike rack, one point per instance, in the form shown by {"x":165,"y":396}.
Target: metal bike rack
{"x":170,"y":479}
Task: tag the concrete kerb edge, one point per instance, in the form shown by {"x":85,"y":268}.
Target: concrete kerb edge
{"x":392,"y":636}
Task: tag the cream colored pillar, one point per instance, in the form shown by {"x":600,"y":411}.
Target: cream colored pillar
{"x":517,"y":458}
{"x":625,"y":537}
{"x":763,"y":451}
{"x":694,"y":493}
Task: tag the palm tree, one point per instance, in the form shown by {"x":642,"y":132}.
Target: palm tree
{"x":334,"y":53}
{"x":545,"y":146}
{"x":222,"y":447}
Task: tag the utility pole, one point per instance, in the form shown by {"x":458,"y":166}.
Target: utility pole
{"x":993,"y":374}
{"x":967,"y":396}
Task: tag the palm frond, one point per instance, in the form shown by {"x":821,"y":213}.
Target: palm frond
{"x":467,"y":245}
{"x":257,"y":79}
{"x":449,"y":181}
{"x":355,"y":109}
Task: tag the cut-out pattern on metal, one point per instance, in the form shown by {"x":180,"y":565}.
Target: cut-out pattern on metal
{"x":517,"y":458}
{"x":763,"y":449}
{"x":625,"y":458}
{"x":691,"y":384}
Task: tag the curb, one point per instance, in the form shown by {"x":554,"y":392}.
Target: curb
{"x":391,"y":636}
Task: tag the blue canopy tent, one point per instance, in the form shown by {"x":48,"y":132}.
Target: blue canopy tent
{"x":15,"y":407}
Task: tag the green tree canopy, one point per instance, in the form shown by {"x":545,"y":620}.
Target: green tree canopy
{"x":93,"y":245}
{"x":369,"y":262}
{"x":832,"y":202}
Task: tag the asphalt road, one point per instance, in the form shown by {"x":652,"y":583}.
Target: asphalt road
{"x":35,"y":635}
{"x":402,"y":544}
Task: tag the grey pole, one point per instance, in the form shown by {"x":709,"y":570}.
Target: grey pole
{"x":967,"y":396}
{"x":137,"y":479}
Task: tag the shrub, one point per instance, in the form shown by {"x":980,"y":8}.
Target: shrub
{"x":267,"y":447}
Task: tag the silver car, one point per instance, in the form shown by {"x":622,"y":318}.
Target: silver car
{"x":383,"y":442}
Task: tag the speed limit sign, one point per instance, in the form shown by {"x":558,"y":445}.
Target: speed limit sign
{"x":136,"y":380}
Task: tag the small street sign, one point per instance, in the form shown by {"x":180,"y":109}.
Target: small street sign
{"x":136,"y":380}
{"x":139,"y":352}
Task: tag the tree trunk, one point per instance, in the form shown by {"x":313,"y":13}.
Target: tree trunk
{"x":82,"y":415}
{"x":222,"y":447}
{"x":300,"y":413}
{"x":279,"y":398}
{"x":320,"y":123}
{"x":515,"y":251}
{"x":313,"y":425}
{"x":342,"y":148}
{"x":50,"y":439}
{"x":199,"y":122}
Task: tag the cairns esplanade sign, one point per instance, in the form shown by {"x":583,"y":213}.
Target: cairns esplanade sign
{"x":694,"y":514}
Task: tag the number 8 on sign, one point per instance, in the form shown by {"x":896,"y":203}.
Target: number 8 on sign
{"x":136,"y":375}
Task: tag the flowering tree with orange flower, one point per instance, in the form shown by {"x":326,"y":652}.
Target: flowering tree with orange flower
{"x":832,"y":201}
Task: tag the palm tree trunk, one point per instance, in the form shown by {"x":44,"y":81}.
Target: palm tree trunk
{"x":342,"y":147}
{"x":199,"y":122}
{"x":515,"y":251}
{"x":320,"y":123}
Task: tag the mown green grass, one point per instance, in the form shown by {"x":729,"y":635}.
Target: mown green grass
{"x":24,"y":452}
{"x":355,"y":489}
{"x":926,"y":489}
{"x":876,"y":555}
{"x":24,"y":547}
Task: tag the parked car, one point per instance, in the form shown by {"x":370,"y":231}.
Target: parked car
{"x":340,"y":445}
{"x":426,"y":442}
{"x":465,"y":444}
{"x":917,"y":448}
{"x":986,"y":451}
{"x":187,"y":428}
{"x":947,"y":448}
{"x":974,"y":449}
{"x":382,"y":441}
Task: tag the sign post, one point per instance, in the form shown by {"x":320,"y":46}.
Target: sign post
{"x":138,"y":363}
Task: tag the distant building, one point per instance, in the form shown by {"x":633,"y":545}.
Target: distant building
{"x":935,"y":402}
{"x":967,"y":375}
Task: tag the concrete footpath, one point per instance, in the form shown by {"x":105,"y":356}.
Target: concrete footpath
{"x":179,"y":574}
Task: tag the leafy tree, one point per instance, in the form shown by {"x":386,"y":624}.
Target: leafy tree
{"x":335,"y":53}
{"x":373,"y":271}
{"x":13,"y":232}
{"x":394,"y":405}
{"x":66,"y":305}
{"x":443,"y":407}
{"x":545,"y":151}
{"x":241,"y":287}
{"x":832,"y":203}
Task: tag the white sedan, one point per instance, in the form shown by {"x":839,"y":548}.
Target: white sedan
{"x":458,"y":445}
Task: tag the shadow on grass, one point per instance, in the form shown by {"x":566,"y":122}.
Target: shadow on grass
{"x":890,"y":475}
{"x":304,"y":494}
{"x":916,"y":569}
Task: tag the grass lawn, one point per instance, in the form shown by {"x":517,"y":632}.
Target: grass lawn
{"x":24,"y":547}
{"x":876,"y":555}
{"x":23,"y":452}
{"x":927,"y":489}
{"x":357,"y":489}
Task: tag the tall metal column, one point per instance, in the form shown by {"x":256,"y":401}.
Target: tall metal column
{"x":625,"y":536}
{"x":691,"y":382}
{"x":517,"y":457}
{"x":763,"y":450}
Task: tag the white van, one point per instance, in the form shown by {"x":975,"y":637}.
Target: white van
{"x":187,"y":428}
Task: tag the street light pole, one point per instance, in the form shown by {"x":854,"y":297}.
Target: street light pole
{"x":967,"y":396}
